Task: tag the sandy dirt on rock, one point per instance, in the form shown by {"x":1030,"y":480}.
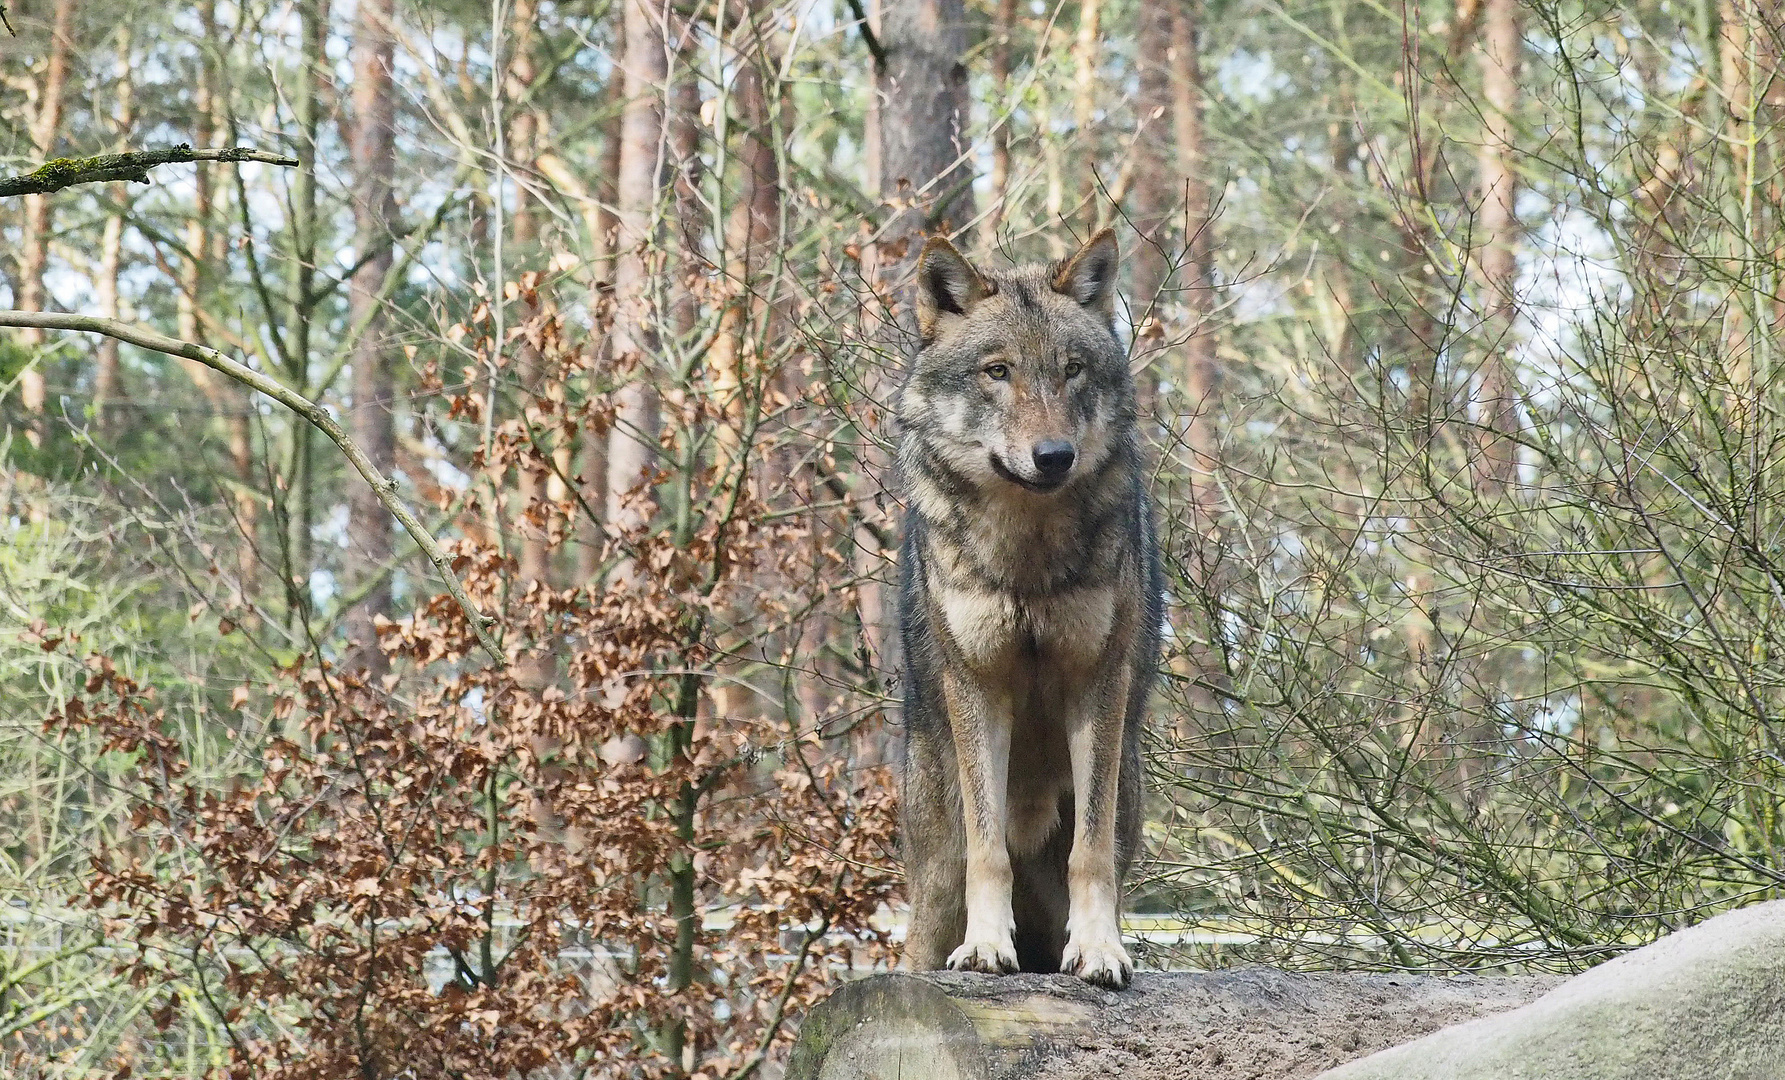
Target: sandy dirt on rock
{"x":1261,"y":1024}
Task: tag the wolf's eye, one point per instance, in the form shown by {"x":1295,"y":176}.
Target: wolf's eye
{"x":1074,"y":369}
{"x":998,"y":371}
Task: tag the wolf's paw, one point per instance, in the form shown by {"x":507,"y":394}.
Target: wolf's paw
{"x":1100,"y":963}
{"x":991,"y":957}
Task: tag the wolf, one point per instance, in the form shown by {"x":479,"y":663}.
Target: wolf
{"x":1031,"y":603}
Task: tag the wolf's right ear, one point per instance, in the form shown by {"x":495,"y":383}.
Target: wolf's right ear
{"x":947,"y":286}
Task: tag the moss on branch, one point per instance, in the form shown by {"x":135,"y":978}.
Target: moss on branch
{"x":67,"y":172}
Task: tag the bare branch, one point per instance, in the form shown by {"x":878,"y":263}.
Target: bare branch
{"x":67,"y":172}
{"x":875,"y":49}
{"x":382,"y":486}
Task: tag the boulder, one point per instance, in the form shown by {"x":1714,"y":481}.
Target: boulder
{"x":1707,"y":1003}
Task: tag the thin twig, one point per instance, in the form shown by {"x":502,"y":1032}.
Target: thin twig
{"x":875,"y":49}
{"x":67,"y":172}
{"x":382,"y":487}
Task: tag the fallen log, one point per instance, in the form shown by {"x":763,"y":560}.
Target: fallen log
{"x":1252,"y":1023}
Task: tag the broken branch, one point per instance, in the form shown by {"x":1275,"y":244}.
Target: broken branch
{"x":67,"y":172}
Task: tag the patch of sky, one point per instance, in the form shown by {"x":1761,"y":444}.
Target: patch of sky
{"x":1249,"y":76}
{"x":1553,"y":717}
{"x":1568,"y":279}
{"x":443,"y":471}
{"x":323,"y":588}
{"x":473,"y":703}
{"x":332,"y":530}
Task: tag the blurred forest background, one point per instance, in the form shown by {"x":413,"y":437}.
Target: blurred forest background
{"x":1458,"y":332}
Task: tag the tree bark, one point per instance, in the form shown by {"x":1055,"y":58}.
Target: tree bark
{"x":61,"y":173}
{"x":632,"y":444}
{"x":925,"y":178}
{"x":924,"y":174}
{"x":35,"y":235}
{"x":374,"y":212}
{"x":1217,"y":1025}
{"x":313,"y":22}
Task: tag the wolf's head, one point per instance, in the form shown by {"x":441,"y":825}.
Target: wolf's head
{"x":1021,"y":379}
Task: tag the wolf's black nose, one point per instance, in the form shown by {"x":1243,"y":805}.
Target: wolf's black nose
{"x":1053,"y":458}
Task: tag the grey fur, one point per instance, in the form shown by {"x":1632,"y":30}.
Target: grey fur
{"x":1029,"y":611}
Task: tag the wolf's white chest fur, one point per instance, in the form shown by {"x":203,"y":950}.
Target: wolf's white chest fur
{"x":1068,"y":629}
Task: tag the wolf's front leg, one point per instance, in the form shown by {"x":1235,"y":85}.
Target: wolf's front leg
{"x":1094,"y":921}
{"x":980,"y":717}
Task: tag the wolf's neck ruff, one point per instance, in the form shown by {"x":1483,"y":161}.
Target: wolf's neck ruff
{"x":1030,"y":612}
{"x":1007,"y":537}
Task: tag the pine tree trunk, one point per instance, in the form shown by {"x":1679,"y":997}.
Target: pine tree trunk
{"x":924,"y":174}
{"x":1003,"y":22}
{"x":1201,"y":375}
{"x":1087,"y":51}
{"x":749,"y":235}
{"x":300,"y":501}
{"x":593,"y":465}
{"x":1497,"y":465}
{"x":372,"y":422}
{"x":111,"y":248}
{"x":35,"y":236}
{"x":1158,"y":181}
{"x":632,"y":445}
{"x":926,"y":179}
{"x":523,"y":145}
{"x":750,"y":230}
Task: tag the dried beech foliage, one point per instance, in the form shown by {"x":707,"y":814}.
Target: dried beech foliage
{"x":563,"y":864}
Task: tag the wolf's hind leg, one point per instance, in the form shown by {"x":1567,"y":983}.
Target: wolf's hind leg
{"x":1039,"y":898}
{"x":935,"y":859}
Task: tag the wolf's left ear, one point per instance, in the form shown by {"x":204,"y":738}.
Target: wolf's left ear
{"x":1090,"y":276}
{"x":947,"y":285}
